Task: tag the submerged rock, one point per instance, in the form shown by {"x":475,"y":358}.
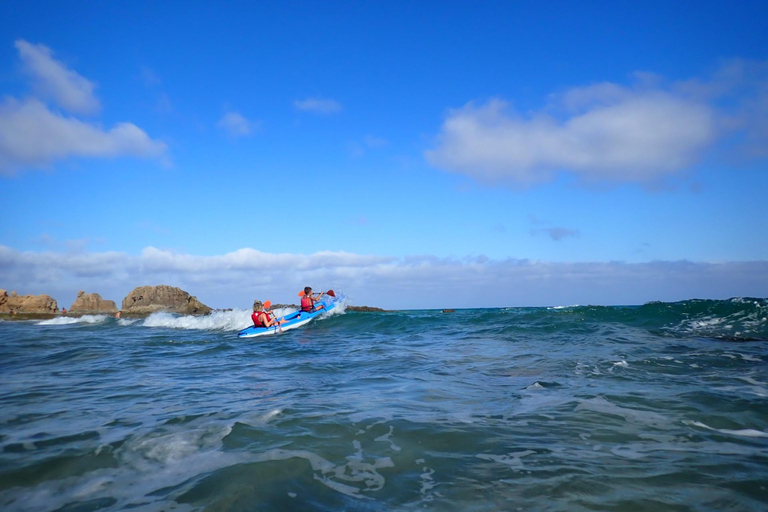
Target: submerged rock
{"x":92,"y":303}
{"x":27,"y":303}
{"x":146,"y":300}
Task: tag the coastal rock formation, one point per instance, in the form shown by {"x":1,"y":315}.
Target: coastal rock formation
{"x":360,"y":309}
{"x":365,"y":309}
{"x":145,"y":300}
{"x":27,"y":303}
{"x":92,"y":303}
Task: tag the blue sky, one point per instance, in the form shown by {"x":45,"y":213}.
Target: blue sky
{"x":409,"y":154}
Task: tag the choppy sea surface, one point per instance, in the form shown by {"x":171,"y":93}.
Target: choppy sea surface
{"x":647,"y":408}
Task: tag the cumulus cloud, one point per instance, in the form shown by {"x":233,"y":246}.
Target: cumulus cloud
{"x":318,"y":105}
{"x":236,"y":278}
{"x":605,"y":132}
{"x":53,"y":80}
{"x":236,"y":125}
{"x":31,"y":135}
{"x":35,"y":135}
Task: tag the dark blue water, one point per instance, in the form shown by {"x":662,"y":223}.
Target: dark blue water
{"x":658,"y":407}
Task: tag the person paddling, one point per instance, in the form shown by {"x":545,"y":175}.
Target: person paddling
{"x":308,"y":300}
{"x":261,"y":317}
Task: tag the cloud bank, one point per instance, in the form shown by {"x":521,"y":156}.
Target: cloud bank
{"x":35,"y":134}
{"x":234,"y":279}
{"x":607,"y":132}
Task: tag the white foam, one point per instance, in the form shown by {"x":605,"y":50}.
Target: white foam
{"x":234,"y":320}
{"x":512,"y":459}
{"x":68,"y":320}
{"x":750,"y":380}
{"x":745,"y":432}
{"x":387,"y":439}
{"x":340,"y":309}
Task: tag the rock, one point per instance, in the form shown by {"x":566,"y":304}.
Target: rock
{"x":449,"y":311}
{"x":362,"y":309}
{"x":27,"y":303}
{"x":365,"y":309}
{"x":92,"y":303}
{"x":146,"y":300}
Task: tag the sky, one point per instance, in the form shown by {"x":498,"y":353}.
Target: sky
{"x":406,"y":154}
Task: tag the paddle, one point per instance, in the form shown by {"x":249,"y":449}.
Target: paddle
{"x":268,"y":305}
{"x":329,"y":292}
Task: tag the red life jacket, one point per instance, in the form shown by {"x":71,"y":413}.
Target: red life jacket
{"x":306,"y":303}
{"x":257,"y":321}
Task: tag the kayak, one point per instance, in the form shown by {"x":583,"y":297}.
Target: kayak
{"x":291,"y":321}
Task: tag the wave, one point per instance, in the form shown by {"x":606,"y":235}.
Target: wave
{"x":231,"y":320}
{"x":69,"y":320}
{"x":736,"y":319}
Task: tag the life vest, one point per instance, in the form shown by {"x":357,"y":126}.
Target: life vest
{"x":256,"y":317}
{"x":306,"y":303}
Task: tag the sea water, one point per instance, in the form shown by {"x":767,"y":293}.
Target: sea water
{"x":656,"y":407}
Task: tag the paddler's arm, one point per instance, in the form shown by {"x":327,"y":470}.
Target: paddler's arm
{"x":272,"y":320}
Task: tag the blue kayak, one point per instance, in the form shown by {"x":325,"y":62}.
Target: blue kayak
{"x":292,"y":320}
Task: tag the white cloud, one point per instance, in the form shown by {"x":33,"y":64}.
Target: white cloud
{"x":607,"y":132}
{"x":33,"y":135}
{"x":318,"y":106}
{"x":236,"y":125}
{"x":53,"y":80}
{"x":234,"y":279}
{"x":639,"y":137}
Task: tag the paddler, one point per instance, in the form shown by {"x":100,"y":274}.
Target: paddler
{"x":308,"y":300}
{"x":261,"y":317}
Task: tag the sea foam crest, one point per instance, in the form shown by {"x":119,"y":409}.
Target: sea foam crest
{"x":68,"y":320}
{"x":234,"y":320}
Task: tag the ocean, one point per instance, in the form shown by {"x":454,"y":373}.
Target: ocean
{"x":656,"y":407}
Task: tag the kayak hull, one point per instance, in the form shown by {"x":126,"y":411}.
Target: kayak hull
{"x":291,"y":321}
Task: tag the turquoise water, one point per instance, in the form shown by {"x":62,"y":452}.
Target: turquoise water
{"x":657,"y":407}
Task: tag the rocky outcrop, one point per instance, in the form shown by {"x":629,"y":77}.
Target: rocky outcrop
{"x":27,"y":303}
{"x":360,"y":309}
{"x":365,"y":309}
{"x":146,"y":300}
{"x":92,"y":303}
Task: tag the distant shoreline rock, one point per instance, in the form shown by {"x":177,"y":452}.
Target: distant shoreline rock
{"x":14,"y":303}
{"x":145,"y":300}
{"x":366,"y":309}
{"x":361,"y":309}
{"x":92,"y":304}
{"x":141,"y":302}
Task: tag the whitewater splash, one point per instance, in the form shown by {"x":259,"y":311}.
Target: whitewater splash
{"x":68,"y":320}
{"x":231,"y":320}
